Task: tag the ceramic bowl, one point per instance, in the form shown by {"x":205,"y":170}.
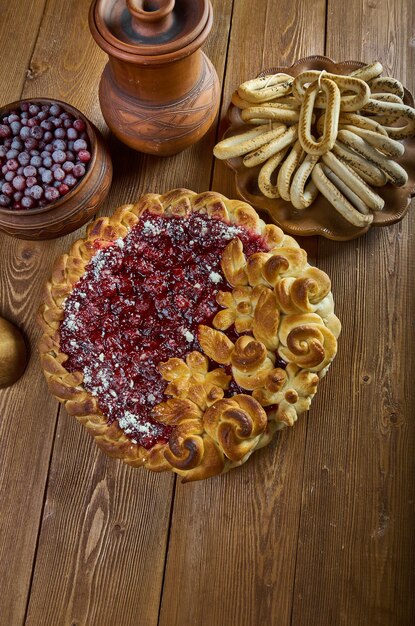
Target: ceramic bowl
{"x":74,"y":209}
{"x":320,"y":218}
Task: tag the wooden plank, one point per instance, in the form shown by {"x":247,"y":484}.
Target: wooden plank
{"x":356,"y":557}
{"x":233,"y":538}
{"x":104,"y":529}
{"x":19,"y":27}
{"x":22,"y":471}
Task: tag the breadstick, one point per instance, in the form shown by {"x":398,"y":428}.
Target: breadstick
{"x":277,"y":112}
{"x":362,"y":122}
{"x":354,"y":102}
{"x":302,"y":196}
{"x":287,"y":169}
{"x":386,"y":97}
{"x":392,"y":109}
{"x":337,"y":199}
{"x":326,"y":142}
{"x":353,"y":181}
{"x":388,"y":146}
{"x":368,"y":72}
{"x":387,"y":84}
{"x":264,"y":179}
{"x":268,"y":150}
{"x":394,"y":171}
{"x":240,"y":102}
{"x":238,"y":145}
{"x":367,"y":171}
{"x":346,"y":191}
{"x":266,"y":88}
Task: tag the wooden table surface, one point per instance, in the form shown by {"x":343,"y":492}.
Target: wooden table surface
{"x":316,"y":529}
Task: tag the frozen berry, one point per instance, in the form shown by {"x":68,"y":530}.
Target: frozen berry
{"x":36,"y":192}
{"x":55,"y":109}
{"x":72,"y":134}
{"x":24,"y":158}
{"x":24,"y":132}
{"x":29,"y":170}
{"x":7,"y":189}
{"x":51,"y":194}
{"x":59,"y":144}
{"x":70,"y":180}
{"x":36,"y":161}
{"x":84,"y":156}
{"x":78,"y":170}
{"x":30,"y":143}
{"x":5,"y":201}
{"x":59,"y":174}
{"x":63,"y":189}
{"x":60,"y":133}
{"x":47,"y":177}
{"x":34,"y":109}
{"x":44,"y":151}
{"x":19,"y":183}
{"x":31,"y":181}
{"x":68,"y":166}
{"x":46,"y":125}
{"x":15,"y":127}
{"x":4,"y":131}
{"x":27,"y":202}
{"x":79,"y":125}
{"x":36,"y":132}
{"x":12,"y":164}
{"x":48,"y":136}
{"x":9,"y":175}
{"x":58,"y":156}
{"x":80,"y":144}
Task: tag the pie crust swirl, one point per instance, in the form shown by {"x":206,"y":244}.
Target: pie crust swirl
{"x":253,"y":363}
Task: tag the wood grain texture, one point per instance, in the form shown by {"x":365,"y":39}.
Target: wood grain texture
{"x":75,"y":583}
{"x":317,"y":528}
{"x":356,"y":540}
{"x":18,"y":33}
{"x":22,"y":471}
{"x":234,"y":538}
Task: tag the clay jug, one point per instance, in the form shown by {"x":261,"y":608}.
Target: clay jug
{"x":159,"y":93}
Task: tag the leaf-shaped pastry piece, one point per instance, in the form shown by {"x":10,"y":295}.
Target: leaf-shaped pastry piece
{"x":175,"y":411}
{"x":266,"y":318}
{"x":215,"y":345}
{"x":233,"y":263}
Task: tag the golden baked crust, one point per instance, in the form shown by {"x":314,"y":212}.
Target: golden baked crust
{"x":282,"y":301}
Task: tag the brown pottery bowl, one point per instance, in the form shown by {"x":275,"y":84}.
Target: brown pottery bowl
{"x":74,"y":209}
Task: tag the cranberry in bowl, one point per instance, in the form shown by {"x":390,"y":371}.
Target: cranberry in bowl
{"x":55,"y":169}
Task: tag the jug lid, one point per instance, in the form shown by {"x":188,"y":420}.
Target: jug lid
{"x":154,"y":29}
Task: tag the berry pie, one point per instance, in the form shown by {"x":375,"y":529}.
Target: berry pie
{"x":183,"y":331}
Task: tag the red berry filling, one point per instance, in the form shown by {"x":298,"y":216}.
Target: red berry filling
{"x":140,"y":302}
